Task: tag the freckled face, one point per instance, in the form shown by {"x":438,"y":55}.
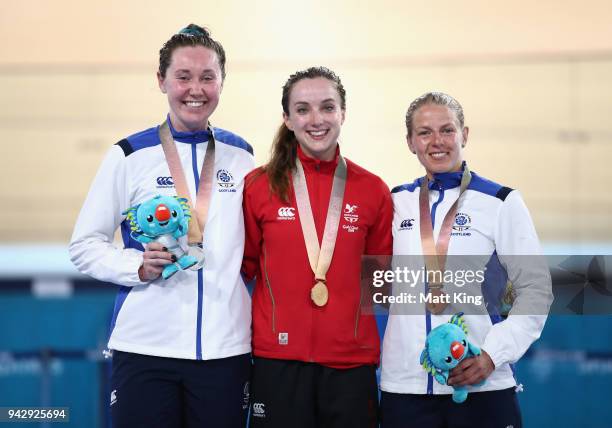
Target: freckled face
{"x":193,"y":85}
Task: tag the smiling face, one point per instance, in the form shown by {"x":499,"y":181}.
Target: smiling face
{"x":315,"y":117}
{"x":193,"y":84}
{"x":437,"y":139}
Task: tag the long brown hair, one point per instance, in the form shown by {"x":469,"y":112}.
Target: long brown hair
{"x":284,"y":145}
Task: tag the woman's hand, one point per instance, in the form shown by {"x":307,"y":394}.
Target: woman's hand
{"x":472,"y":371}
{"x":155,"y":258}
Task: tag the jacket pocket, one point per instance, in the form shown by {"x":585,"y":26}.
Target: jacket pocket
{"x":269,"y":290}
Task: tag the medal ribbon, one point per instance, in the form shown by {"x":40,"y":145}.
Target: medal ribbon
{"x":320,"y":257}
{"x":204,"y":190}
{"x":435,"y":252}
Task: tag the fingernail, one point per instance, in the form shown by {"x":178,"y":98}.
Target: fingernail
{"x":165,"y":249}
{"x":173,"y":258}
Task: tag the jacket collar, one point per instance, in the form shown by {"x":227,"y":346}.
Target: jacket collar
{"x":189,"y":137}
{"x":311,"y":164}
{"x":446,"y":180}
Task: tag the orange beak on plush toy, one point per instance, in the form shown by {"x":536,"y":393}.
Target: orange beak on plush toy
{"x":457,"y":350}
{"x":162,"y":213}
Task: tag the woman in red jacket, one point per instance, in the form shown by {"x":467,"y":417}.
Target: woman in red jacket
{"x":310,"y":215}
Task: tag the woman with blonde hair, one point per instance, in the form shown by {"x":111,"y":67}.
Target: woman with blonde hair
{"x":452,"y":211}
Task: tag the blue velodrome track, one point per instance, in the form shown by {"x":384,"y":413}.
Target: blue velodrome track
{"x":55,"y":322}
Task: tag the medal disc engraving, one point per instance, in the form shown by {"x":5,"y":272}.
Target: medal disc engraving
{"x":319,"y":294}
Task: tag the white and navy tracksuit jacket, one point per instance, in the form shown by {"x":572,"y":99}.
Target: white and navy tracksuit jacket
{"x":495,"y":226}
{"x":203,"y":314}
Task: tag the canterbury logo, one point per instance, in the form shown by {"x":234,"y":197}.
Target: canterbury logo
{"x":406,"y":224}
{"x":259,"y":409}
{"x":286,"y":212}
{"x":165,"y":181}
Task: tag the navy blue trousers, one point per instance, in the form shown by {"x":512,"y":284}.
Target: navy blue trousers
{"x":174,"y":393}
{"x":490,"y":409}
{"x":295,"y":394}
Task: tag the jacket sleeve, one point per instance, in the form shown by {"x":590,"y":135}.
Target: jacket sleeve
{"x":380,"y":240}
{"x":519,"y":251}
{"x":91,"y":247}
{"x":252,"y":230}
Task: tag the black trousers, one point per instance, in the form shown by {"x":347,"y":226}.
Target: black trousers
{"x":173,"y":393}
{"x":488,"y":409}
{"x":295,"y":394}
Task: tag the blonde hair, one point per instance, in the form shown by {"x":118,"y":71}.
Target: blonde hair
{"x":438,"y":98}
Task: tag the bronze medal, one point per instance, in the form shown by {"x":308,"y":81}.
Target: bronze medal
{"x":438,"y":301}
{"x":195,"y":231}
{"x":319,"y":294}
{"x":435,"y":252}
{"x":197,"y":252}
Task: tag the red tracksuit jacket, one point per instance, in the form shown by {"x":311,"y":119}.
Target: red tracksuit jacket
{"x":286,"y":323}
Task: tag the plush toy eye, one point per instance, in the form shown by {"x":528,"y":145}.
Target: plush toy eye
{"x":448,"y":359}
{"x":174,"y":213}
{"x":149,"y":218}
{"x":463,"y":342}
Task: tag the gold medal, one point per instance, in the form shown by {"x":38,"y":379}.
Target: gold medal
{"x":319,"y":294}
{"x":320,"y":256}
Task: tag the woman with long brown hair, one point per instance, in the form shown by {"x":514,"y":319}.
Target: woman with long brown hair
{"x":310,"y":215}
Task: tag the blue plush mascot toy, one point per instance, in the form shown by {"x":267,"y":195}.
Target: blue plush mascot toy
{"x":445,"y":347}
{"x":163,"y":219}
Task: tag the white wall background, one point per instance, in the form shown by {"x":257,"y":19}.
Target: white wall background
{"x":534,"y":79}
